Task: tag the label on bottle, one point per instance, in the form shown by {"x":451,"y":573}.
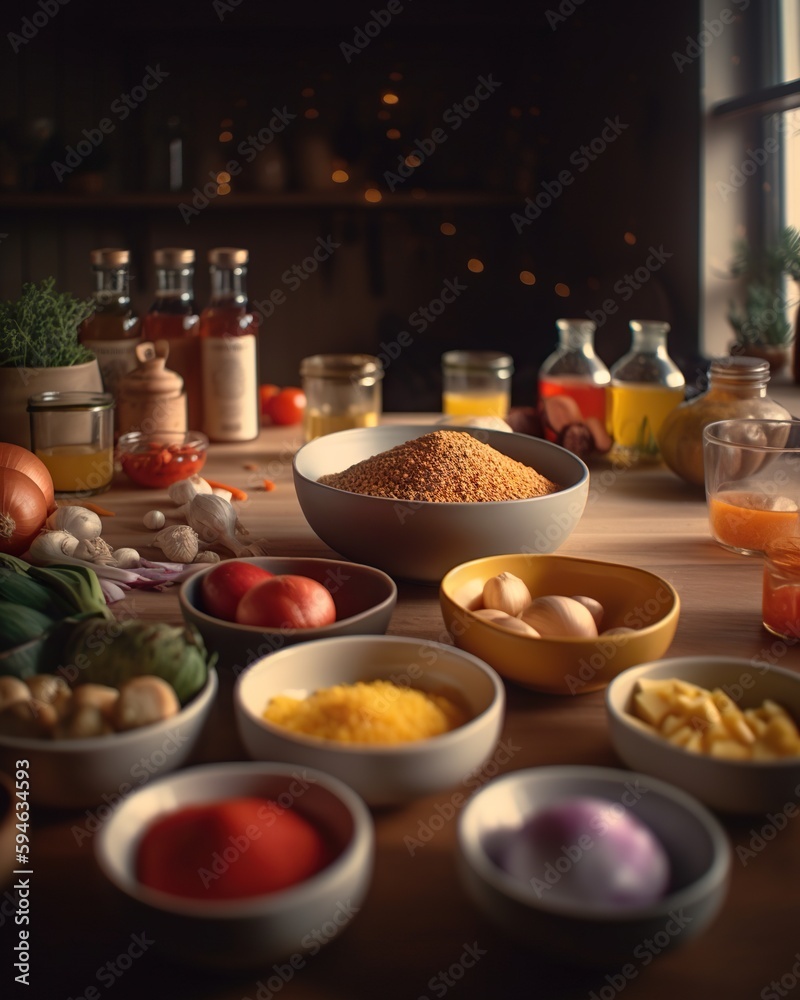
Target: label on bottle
{"x":230,"y":388}
{"x":115,"y":358}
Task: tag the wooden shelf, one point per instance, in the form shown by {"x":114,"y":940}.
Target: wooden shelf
{"x":286,"y":200}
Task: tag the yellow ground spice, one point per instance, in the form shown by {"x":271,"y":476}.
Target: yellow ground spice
{"x":374,"y":712}
{"x":442,"y":467}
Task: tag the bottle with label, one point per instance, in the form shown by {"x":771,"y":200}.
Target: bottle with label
{"x":573,"y":369}
{"x":646,"y":385}
{"x":229,"y":351}
{"x":173,"y":317}
{"x":112,"y":332}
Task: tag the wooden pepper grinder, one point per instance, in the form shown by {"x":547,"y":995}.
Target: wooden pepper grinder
{"x":151,"y":398}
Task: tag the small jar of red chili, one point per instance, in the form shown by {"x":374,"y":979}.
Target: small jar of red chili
{"x":161,"y":459}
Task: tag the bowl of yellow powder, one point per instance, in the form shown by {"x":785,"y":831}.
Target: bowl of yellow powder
{"x":394,"y":717}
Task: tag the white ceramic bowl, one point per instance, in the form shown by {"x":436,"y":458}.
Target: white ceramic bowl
{"x":365,"y":599}
{"x":382,"y":775}
{"x":421,"y":541}
{"x":696,"y":845}
{"x":251,"y":932}
{"x":725,"y":785}
{"x":80,"y":773}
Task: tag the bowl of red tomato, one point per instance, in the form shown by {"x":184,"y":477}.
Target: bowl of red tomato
{"x":162,"y":458}
{"x":232,"y":866}
{"x":250,"y":607}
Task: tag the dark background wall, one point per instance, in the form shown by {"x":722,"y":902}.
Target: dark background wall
{"x":559,"y":79}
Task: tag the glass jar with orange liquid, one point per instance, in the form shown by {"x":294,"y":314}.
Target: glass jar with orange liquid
{"x":112,"y":331}
{"x":229,"y":351}
{"x":646,"y":385}
{"x":780,"y":604}
{"x":73,"y":434}
{"x":476,"y":383}
{"x":173,"y":317}
{"x":343,"y":391}
{"x":574,"y":369}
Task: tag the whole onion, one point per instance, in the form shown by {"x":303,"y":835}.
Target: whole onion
{"x":588,"y":851}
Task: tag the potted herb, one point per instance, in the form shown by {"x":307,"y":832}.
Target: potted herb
{"x":40,"y":352}
{"x":759,"y":320}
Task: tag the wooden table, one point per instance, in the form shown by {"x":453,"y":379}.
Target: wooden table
{"x":416,"y":927}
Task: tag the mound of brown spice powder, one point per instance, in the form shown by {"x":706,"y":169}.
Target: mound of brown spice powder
{"x":442,"y":467}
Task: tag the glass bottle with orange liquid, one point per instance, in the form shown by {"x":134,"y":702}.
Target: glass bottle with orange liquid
{"x":645,"y":386}
{"x":574,"y":369}
{"x":112,"y":331}
{"x":229,"y":351}
{"x":173,"y":317}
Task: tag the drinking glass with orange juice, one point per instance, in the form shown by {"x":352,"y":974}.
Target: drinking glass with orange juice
{"x":476,"y":383}
{"x":752,"y":476}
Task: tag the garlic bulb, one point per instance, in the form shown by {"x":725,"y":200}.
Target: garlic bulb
{"x":154,"y":519}
{"x":78,"y":521}
{"x":509,"y":622}
{"x":51,"y":544}
{"x":560,"y":618}
{"x":93,"y":550}
{"x":126,"y":558}
{"x":506,"y":592}
{"x":218,"y":491}
{"x":178,"y":542}
{"x":215,"y":521}
{"x":185,"y":489}
{"x":208,"y":556}
{"x":594,"y":606}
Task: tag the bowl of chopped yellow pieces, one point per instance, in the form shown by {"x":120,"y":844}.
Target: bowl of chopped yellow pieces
{"x":394,"y":717}
{"x":726,"y":730}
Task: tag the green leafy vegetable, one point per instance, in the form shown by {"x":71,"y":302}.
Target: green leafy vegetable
{"x":40,"y":329}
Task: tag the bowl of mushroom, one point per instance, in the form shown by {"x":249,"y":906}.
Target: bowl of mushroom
{"x":558,"y":624}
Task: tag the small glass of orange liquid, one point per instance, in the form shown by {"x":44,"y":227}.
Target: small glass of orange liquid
{"x":781,"y":589}
{"x":73,"y":434}
{"x":752,"y":477}
{"x":476,"y":383}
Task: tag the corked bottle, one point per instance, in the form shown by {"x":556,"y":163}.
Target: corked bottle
{"x":151,"y":398}
{"x":737,"y":387}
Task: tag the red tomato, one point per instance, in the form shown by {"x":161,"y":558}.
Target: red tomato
{"x":287,"y":406}
{"x":265,"y":394}
{"x":287,"y":601}
{"x":222,"y":588}
{"x":264,"y":848}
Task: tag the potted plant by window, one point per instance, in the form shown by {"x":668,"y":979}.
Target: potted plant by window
{"x":40,"y":352}
{"x":759,"y":320}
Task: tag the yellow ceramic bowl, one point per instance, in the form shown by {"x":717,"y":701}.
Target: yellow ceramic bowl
{"x":630,"y":597}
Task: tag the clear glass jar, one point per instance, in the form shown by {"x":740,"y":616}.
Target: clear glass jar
{"x":737,"y":387}
{"x":476,"y":383}
{"x":645,"y":386}
{"x":780,"y":604}
{"x":73,"y":434}
{"x":574,"y":369}
{"x":342,"y":391}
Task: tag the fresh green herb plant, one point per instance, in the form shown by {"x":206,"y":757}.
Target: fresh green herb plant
{"x":761,"y":317}
{"x":40,"y":329}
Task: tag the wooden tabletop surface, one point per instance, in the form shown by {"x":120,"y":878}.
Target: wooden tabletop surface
{"x":417,"y":934}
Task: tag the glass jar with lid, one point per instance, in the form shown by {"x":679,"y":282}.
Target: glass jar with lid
{"x":737,"y":387}
{"x":342,"y":391}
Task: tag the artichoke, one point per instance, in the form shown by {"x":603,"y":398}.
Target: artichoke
{"x":103,"y":652}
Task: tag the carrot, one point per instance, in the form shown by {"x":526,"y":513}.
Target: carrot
{"x":100,"y":511}
{"x":268,"y":485}
{"x":235,"y":492}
